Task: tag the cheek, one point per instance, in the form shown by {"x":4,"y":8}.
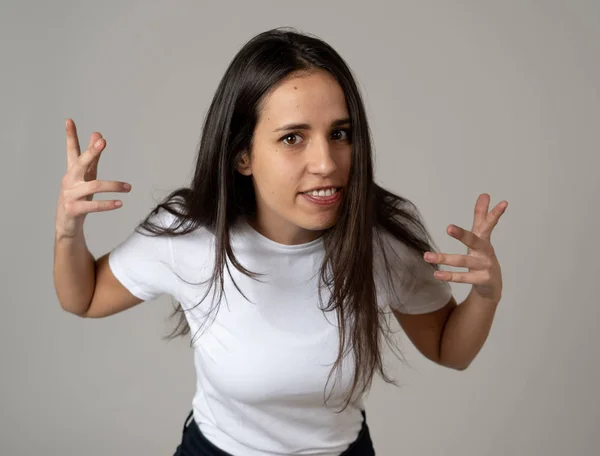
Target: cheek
{"x":346,"y":163}
{"x":277,"y":179}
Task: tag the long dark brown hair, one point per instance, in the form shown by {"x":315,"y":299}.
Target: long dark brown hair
{"x":219,"y":195}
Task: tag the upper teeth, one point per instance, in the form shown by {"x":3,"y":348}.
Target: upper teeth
{"x":328,"y":192}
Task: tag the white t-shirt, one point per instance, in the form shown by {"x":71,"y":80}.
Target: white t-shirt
{"x":262,"y":366}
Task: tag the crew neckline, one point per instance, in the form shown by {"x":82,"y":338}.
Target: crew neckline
{"x":265,"y":241}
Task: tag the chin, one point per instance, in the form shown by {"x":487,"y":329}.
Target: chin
{"x":320,"y":223}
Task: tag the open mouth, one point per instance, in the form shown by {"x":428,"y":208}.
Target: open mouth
{"x":323,"y":193}
{"x":323,"y":197}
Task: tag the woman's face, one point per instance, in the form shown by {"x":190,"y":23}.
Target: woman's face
{"x":301,"y":142}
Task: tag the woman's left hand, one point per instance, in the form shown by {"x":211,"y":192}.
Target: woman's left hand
{"x":483,"y":267}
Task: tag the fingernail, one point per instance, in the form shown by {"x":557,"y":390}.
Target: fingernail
{"x":127,"y":186}
{"x":98,"y":143}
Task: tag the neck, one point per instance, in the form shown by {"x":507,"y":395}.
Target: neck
{"x":283,"y":232}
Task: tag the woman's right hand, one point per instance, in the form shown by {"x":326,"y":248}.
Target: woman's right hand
{"x":79,"y":184}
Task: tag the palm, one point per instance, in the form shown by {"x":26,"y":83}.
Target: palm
{"x":90,"y":175}
{"x":80,"y":184}
{"x":74,"y":153}
{"x":481,"y":262}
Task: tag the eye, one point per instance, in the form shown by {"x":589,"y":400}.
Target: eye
{"x":290,"y":135}
{"x":343,"y":131}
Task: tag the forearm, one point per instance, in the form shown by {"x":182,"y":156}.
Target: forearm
{"x":74,"y":273}
{"x":466,"y":330}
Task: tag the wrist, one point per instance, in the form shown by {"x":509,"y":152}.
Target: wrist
{"x":68,"y":237}
{"x":485,"y":299}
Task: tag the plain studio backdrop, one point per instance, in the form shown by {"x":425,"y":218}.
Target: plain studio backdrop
{"x":463,"y":97}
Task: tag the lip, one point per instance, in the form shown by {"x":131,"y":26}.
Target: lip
{"x":321,"y":188}
{"x":324,"y":200}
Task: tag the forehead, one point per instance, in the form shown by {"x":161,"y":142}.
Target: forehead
{"x":304,"y":97}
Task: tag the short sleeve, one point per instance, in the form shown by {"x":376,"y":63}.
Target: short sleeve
{"x":143,"y":262}
{"x":407,"y":283}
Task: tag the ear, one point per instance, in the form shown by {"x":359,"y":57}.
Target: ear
{"x":244,"y":166}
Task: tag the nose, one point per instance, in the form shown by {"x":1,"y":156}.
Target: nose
{"x":321,"y":159}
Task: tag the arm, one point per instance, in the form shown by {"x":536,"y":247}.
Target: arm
{"x":425,"y":330}
{"x":74,"y":275}
{"x":84,"y":287}
{"x":453,"y":335}
{"x":466,"y":330}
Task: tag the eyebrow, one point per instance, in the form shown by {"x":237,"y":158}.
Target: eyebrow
{"x":305,"y":126}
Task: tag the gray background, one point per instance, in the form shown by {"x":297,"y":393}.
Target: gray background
{"x":464,"y":97}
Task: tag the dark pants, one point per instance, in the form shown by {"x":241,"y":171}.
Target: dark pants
{"x":193,"y":442}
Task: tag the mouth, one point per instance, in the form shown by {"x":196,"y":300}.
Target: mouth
{"x":324,"y":197}
{"x":327,"y":192}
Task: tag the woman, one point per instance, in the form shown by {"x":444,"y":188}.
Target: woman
{"x":283,"y":198}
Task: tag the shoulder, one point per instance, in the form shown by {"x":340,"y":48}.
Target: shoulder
{"x":159,"y":221}
{"x":397,"y":264}
{"x":388,"y":249}
{"x":187,"y":244}
{"x":168,"y":225}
